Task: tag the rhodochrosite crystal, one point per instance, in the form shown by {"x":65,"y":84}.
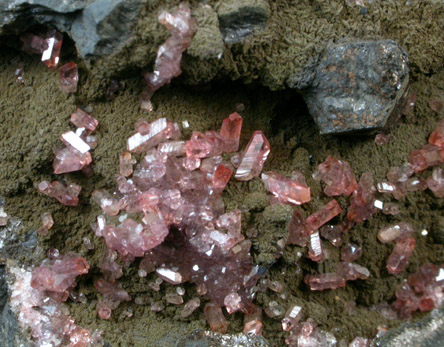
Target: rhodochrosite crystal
{"x":362,"y":201}
{"x":67,"y":195}
{"x":285,"y":189}
{"x":337,"y":175}
{"x":253,"y":158}
{"x":56,"y":277}
{"x":399,"y":258}
{"x":436,"y":182}
{"x":33,"y":44}
{"x":324,"y":281}
{"x":81,"y":119}
{"x":215,"y":318}
{"x":327,"y":213}
{"x":182,"y":27}
{"x":437,"y":136}
{"x":177,"y":222}
{"x":51,"y":54}
{"x":425,"y":157}
{"x":47,"y":319}
{"x":69,"y":77}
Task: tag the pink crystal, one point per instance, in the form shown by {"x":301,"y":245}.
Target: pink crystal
{"x":351,"y":252}
{"x":232,"y":302}
{"x":81,"y":119}
{"x":436,"y":182}
{"x":126,"y":164}
{"x":59,"y":275}
{"x":174,"y":148}
{"x":113,"y":291}
{"x":325,"y":281}
{"x":427,"y":156}
{"x":191,"y":306}
{"x":399,"y":258}
{"x":111,"y":270}
{"x":3,"y":217}
{"x":253,"y":322}
{"x":47,"y":222}
{"x":50,"y":56}
{"x":174,"y":299}
{"x":230,"y":132}
{"x":381,"y":139}
{"x":292,"y":317}
{"x":400,"y":174}
{"x":338,"y":177}
{"x":332,"y":233}
{"x":221,"y":177}
{"x":170,"y":275}
{"x":437,"y":136}
{"x":33,"y":44}
{"x":253,"y":158}
{"x":103,"y":310}
{"x":145,"y":101}
{"x":360,"y":342}
{"x":285,"y":189}
{"x":362,"y":201}
{"x":350,"y":271}
{"x":327,"y":213}
{"x":71,"y":139}
{"x":215,"y":318}
{"x":69,"y":159}
{"x":409,"y":104}
{"x":157,"y":132}
{"x":66,"y":195}
{"x":315,"y":247}
{"x":107,"y":203}
{"x":298,"y":232}
{"x":191,"y":164}
{"x":69,"y":77}
{"x":182,"y":27}
{"x":393,"y":232}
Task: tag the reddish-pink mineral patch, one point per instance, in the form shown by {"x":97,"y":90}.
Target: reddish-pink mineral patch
{"x":427,"y":156}
{"x":215,"y":318}
{"x":81,"y":119}
{"x":230,"y":132}
{"x":436,"y":182}
{"x":325,"y":281}
{"x":285,"y":189}
{"x":437,"y":136}
{"x":67,"y":195}
{"x":327,"y":213}
{"x":337,"y":175}
{"x":51,"y":54}
{"x":253,"y":158}
{"x":362,"y":201}
{"x":399,"y":258}
{"x":69,"y":77}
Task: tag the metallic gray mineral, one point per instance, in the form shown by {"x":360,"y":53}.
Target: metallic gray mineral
{"x":209,"y":339}
{"x":358,"y":86}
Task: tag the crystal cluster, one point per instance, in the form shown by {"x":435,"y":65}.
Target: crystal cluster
{"x":286,"y":190}
{"x":69,"y":77}
{"x":308,"y":334}
{"x":47,"y":222}
{"x":66,"y":195}
{"x":423,"y":290}
{"x":76,"y":156}
{"x":172,"y":214}
{"x":36,"y":300}
{"x":182,"y":27}
{"x":338,"y":177}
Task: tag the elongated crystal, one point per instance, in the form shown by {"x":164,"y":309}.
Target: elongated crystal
{"x":327,"y":213}
{"x":51,"y":54}
{"x":69,"y":77}
{"x":330,"y":280}
{"x":285,"y":189}
{"x":399,"y":258}
{"x":337,"y":175}
{"x":69,"y":159}
{"x":215,"y":318}
{"x":66,"y":195}
{"x":230,"y":132}
{"x":253,"y":158}
{"x":81,"y":119}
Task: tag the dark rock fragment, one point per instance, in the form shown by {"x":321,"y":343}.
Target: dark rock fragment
{"x":358,"y":86}
{"x":240,"y":18}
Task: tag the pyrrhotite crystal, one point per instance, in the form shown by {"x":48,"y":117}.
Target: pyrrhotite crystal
{"x":215,"y":318}
{"x":362,"y":201}
{"x":230,"y":132}
{"x":285,"y":189}
{"x":330,"y":280}
{"x":399,"y":258}
{"x":350,"y":271}
{"x":351,"y":252}
{"x":393,"y":232}
{"x":51,"y":54}
{"x":81,"y":119}
{"x":437,"y":136}
{"x":436,"y":182}
{"x":253,"y":158}
{"x":69,"y":159}
{"x":337,"y":175}
{"x":69,"y":77}
{"x":182,"y":27}
{"x":66,"y":195}
{"x":59,"y":275}
{"x":33,"y":44}
{"x":425,"y":157}
{"x":327,"y":213}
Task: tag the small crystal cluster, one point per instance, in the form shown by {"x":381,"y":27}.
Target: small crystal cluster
{"x":182,"y":27}
{"x":423,"y":290}
{"x":66,"y":195}
{"x":172,"y":214}
{"x":36,"y":298}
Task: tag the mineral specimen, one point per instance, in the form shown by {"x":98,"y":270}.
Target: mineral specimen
{"x":182,"y":27}
{"x":285,"y":189}
{"x":51,"y":54}
{"x":337,"y":175}
{"x":437,"y":136}
{"x":69,"y":77}
{"x":47,"y":222}
{"x":191,"y":306}
{"x":425,"y":157}
{"x":327,"y":213}
{"x":215,"y":318}
{"x":330,"y":280}
{"x":66,"y":195}
{"x":56,"y":277}
{"x":292,"y":317}
{"x":81,"y":119}
{"x":230,"y":132}
{"x":350,"y":271}
{"x":298,"y":231}
{"x":393,"y":232}
{"x":351,"y":252}
{"x":399,"y":258}
{"x":362,"y":201}
{"x":253,"y":158}
{"x":3,"y":217}
{"x":436,"y":182}
{"x":33,"y":44}
{"x":315,"y":247}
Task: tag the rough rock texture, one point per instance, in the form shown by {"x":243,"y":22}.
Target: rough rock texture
{"x":426,"y":332}
{"x":239,"y":19}
{"x":210,"y":339}
{"x":358,"y":86}
{"x":104,"y":25}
